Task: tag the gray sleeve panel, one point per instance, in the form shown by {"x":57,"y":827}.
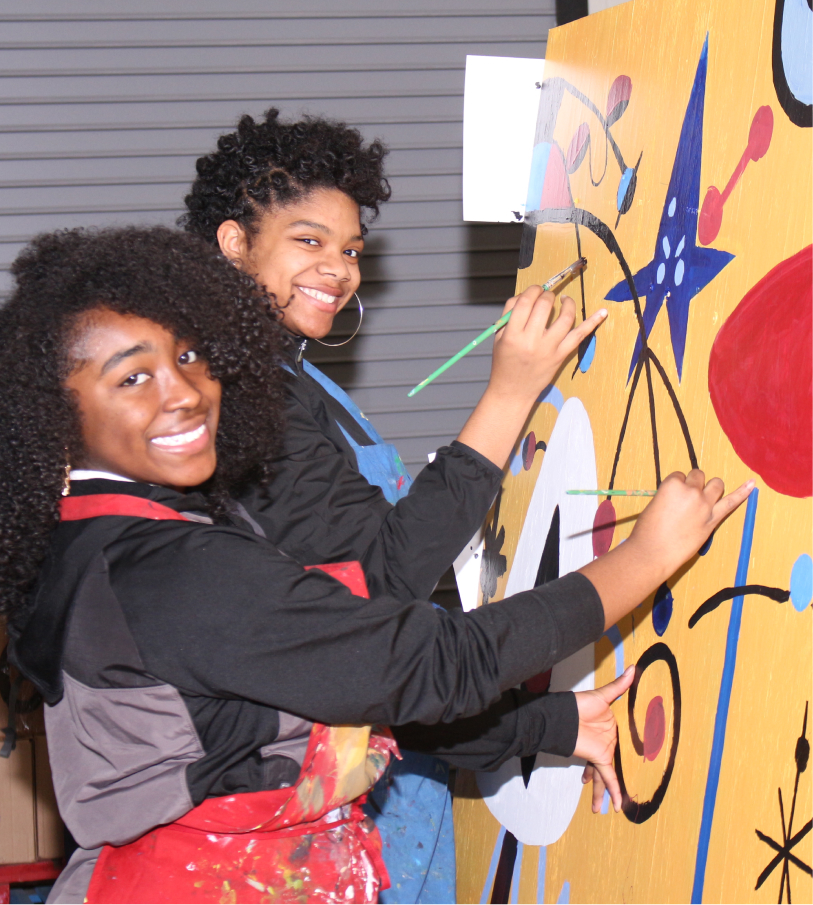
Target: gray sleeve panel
{"x":119,"y":759}
{"x":72,"y":884}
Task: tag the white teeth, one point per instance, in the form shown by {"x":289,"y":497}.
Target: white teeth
{"x":180,"y":439}
{"x":319,"y":296}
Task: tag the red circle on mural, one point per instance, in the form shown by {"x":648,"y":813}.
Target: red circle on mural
{"x":760,"y":376}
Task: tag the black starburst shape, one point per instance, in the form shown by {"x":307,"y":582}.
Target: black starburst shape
{"x":790,"y":840}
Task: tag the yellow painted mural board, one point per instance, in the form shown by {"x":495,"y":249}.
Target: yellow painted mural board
{"x":673,"y":150}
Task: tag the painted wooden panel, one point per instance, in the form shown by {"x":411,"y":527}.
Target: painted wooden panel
{"x":673,"y":150}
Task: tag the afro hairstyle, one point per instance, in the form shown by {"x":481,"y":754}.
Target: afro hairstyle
{"x":270,"y":163}
{"x":166,"y":276}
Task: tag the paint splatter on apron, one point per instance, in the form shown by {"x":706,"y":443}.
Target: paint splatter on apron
{"x":307,"y":843}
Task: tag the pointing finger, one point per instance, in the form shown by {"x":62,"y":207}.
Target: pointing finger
{"x":572,"y":340}
{"x":729,"y":503}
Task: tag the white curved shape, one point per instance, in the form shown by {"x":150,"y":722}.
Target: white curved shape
{"x":540,"y":814}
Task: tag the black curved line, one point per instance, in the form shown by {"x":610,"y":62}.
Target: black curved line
{"x":715,"y":600}
{"x":634,"y":811}
{"x":798,"y":113}
{"x":655,"y":449}
{"x":596,"y":184}
{"x":623,"y":431}
{"x":577,"y":215}
{"x":678,"y":410}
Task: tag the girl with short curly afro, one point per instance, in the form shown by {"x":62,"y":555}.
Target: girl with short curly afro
{"x":288,"y":202}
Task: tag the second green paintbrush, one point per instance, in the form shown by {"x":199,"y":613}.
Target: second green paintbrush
{"x":574,"y":268}
{"x":611,"y":492}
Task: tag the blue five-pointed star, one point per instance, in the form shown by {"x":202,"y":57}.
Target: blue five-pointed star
{"x":679,"y":268}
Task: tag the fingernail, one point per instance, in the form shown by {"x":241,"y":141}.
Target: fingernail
{"x":604,"y":312}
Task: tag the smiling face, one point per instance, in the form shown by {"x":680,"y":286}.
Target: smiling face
{"x":149,"y":407}
{"x":306,"y":254}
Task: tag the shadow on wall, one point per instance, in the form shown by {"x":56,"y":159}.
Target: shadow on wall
{"x":492,"y":256}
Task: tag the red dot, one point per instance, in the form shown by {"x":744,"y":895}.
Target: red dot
{"x":711,"y":216}
{"x":654,"y":728}
{"x":759,"y":138}
{"x":603,"y":528}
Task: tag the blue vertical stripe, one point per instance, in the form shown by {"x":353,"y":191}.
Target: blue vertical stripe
{"x":723,"y":702}
{"x":514,"y":897}
{"x":540,"y":876}
{"x":485,"y":898}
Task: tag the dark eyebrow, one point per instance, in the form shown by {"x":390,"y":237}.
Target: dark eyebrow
{"x":125,"y":353}
{"x":323,"y":229}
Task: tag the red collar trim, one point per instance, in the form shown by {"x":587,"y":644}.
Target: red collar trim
{"x":73,"y":508}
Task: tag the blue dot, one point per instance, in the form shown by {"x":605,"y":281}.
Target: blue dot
{"x":661,"y":273}
{"x":666,"y":248}
{"x":672,"y":206}
{"x":589,"y":355}
{"x":707,"y":546}
{"x":679,"y":268}
{"x":623,"y":186}
{"x":679,"y":249}
{"x":801,"y":582}
{"x":662,"y":610}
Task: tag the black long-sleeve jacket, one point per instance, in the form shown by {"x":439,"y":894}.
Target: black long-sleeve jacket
{"x":183,"y":660}
{"x":319,"y":508}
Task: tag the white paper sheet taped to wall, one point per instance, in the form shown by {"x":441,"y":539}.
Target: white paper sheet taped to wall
{"x":499,"y":118}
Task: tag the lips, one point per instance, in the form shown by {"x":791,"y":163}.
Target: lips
{"x":177,"y":442}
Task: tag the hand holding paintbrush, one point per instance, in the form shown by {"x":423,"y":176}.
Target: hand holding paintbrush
{"x":528,"y":353}
{"x":548,"y":286}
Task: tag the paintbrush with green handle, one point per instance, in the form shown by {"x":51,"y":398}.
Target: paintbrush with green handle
{"x":611,"y":492}
{"x":554,"y":281}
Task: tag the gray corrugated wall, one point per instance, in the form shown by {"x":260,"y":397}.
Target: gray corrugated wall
{"x":106,"y":103}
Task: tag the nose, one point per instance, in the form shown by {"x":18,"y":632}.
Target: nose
{"x":334,"y":264}
{"x":178,"y":391}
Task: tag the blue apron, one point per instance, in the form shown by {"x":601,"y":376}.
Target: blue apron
{"x":410,"y":804}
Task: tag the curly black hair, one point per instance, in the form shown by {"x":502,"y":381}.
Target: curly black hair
{"x":166,"y":276}
{"x":269,"y":163}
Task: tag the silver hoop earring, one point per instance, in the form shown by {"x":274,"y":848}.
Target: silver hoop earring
{"x":344,"y":342}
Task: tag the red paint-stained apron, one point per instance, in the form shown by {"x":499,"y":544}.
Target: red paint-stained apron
{"x":307,"y":843}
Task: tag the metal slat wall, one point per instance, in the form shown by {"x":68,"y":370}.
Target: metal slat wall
{"x":107,"y":103}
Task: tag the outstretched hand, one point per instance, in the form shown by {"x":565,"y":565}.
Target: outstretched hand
{"x":598,"y":736}
{"x":682,"y":515}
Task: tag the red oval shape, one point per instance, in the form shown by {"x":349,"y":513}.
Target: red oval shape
{"x":577,"y":148}
{"x":528,"y":451}
{"x":654,"y":728}
{"x":759,"y":138}
{"x":620,"y":93}
{"x":711,"y":216}
{"x":603,"y":528}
